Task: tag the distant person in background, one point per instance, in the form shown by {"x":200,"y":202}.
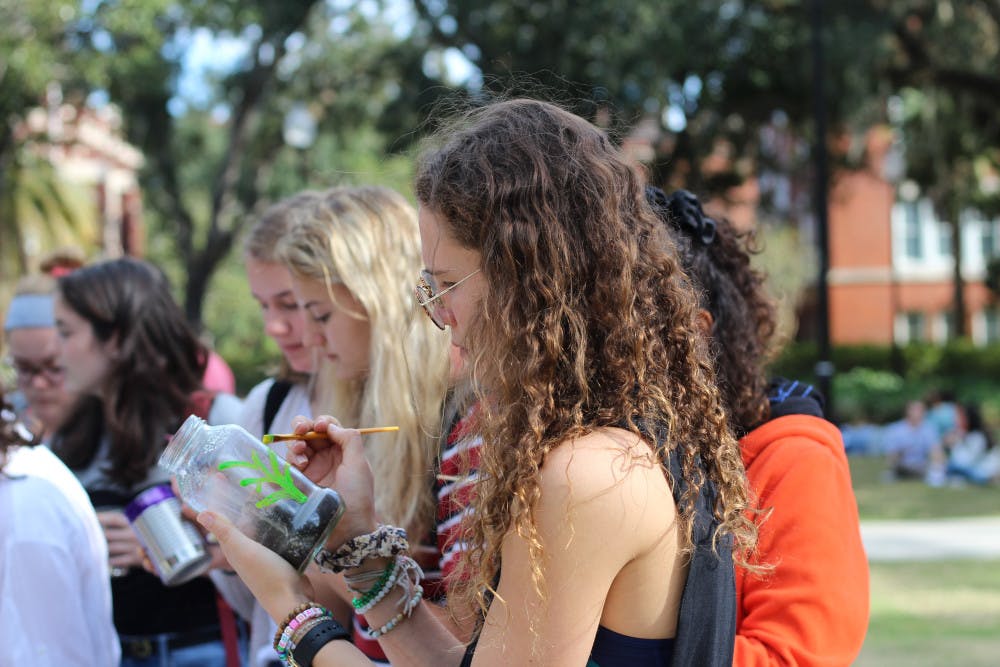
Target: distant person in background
{"x":973,"y":455}
{"x":62,"y":261}
{"x":942,"y":412}
{"x":912,"y":444}
{"x":55,"y":600}
{"x":33,"y":352}
{"x":218,"y":375}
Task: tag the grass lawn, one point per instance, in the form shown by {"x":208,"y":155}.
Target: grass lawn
{"x":914,"y":499}
{"x":932,"y":614}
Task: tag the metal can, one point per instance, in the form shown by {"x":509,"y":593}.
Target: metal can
{"x":173,"y":544}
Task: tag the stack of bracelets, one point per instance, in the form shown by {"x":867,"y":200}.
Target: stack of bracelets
{"x":309,"y":627}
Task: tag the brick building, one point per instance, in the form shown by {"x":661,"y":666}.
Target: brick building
{"x":891,"y":263}
{"x":86,"y":148}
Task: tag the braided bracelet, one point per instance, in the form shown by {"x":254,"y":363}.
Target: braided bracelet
{"x":386,"y":541}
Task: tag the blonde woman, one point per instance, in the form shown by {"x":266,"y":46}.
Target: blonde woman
{"x":294,"y":390}
{"x":352,"y":256}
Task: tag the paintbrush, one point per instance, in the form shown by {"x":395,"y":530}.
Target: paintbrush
{"x":313,"y":435}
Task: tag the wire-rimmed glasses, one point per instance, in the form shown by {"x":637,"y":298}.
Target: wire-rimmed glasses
{"x":426,"y":293}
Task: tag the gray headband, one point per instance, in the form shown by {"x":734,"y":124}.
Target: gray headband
{"x":30,"y":311}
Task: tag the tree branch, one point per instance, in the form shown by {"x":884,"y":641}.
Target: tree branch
{"x":253,"y":87}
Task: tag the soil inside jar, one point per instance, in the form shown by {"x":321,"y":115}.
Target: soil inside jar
{"x":290,"y":530}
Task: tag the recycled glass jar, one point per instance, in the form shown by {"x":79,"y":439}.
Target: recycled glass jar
{"x":228,"y":471}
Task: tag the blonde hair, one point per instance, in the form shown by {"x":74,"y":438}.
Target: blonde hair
{"x":366,"y":238}
{"x":261,"y":244}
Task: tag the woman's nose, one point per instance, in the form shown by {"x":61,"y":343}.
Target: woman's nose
{"x":276,"y":327}
{"x":443,"y":314}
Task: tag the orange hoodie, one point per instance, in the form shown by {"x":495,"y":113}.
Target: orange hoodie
{"x":812,"y":608}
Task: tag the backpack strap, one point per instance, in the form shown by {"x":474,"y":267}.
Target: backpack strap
{"x":275,"y":397}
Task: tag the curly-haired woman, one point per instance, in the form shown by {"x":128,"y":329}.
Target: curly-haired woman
{"x":610,"y":490}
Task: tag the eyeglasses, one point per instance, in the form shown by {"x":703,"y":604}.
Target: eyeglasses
{"x":427,"y":293}
{"x":27,"y":371}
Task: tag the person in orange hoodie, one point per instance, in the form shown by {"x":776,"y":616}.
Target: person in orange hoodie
{"x":809,"y":603}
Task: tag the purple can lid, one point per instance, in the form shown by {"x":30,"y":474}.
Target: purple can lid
{"x":146,"y":499}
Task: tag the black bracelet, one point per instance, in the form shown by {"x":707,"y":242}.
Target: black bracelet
{"x":318,"y":636}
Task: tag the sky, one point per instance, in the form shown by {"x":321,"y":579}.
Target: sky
{"x":207,"y":55}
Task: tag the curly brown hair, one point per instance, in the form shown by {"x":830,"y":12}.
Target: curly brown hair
{"x":587,"y":319}
{"x":734,"y":293}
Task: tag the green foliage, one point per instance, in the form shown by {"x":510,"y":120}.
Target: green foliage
{"x":863,"y":394}
{"x":868,"y":385}
{"x":41,"y":210}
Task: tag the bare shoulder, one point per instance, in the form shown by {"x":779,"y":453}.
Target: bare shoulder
{"x":606,"y":457}
{"x":609,"y":479}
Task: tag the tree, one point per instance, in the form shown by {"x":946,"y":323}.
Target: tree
{"x":44,"y":210}
{"x":709,"y":75}
{"x":32,"y":37}
{"x":944,"y":65}
{"x":213,"y":161}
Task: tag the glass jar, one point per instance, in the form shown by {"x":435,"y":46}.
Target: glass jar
{"x":226,"y":470}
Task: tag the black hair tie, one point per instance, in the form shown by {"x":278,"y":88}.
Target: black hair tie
{"x":684,"y":212}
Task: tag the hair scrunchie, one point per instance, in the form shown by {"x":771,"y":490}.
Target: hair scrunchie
{"x":683,"y":210}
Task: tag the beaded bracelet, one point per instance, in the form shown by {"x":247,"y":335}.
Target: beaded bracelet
{"x":386,"y":541}
{"x":282,"y":644}
{"x":405,"y":613}
{"x":288,"y":619}
{"x":381,"y":588}
{"x":285,"y":644}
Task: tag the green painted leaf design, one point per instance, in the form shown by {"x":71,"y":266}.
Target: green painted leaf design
{"x":278,"y":474}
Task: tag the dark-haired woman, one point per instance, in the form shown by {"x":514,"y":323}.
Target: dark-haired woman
{"x":809,"y":606}
{"x":128,"y":351}
{"x":55,"y":602}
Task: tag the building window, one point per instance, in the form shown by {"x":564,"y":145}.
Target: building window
{"x":988,"y":240}
{"x":991,"y":328}
{"x":910,"y":327}
{"x":944,"y":239}
{"x":911,"y":230}
{"x":944,"y":326}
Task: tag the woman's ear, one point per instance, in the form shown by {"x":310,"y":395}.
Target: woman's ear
{"x":111,"y":347}
{"x":704,"y":321}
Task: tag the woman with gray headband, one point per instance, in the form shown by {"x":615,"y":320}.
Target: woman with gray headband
{"x":32,"y":350}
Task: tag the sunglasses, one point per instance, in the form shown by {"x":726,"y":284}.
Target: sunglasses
{"x":426,"y":293}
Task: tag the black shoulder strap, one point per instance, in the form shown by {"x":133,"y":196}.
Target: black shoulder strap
{"x":275,"y":397}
